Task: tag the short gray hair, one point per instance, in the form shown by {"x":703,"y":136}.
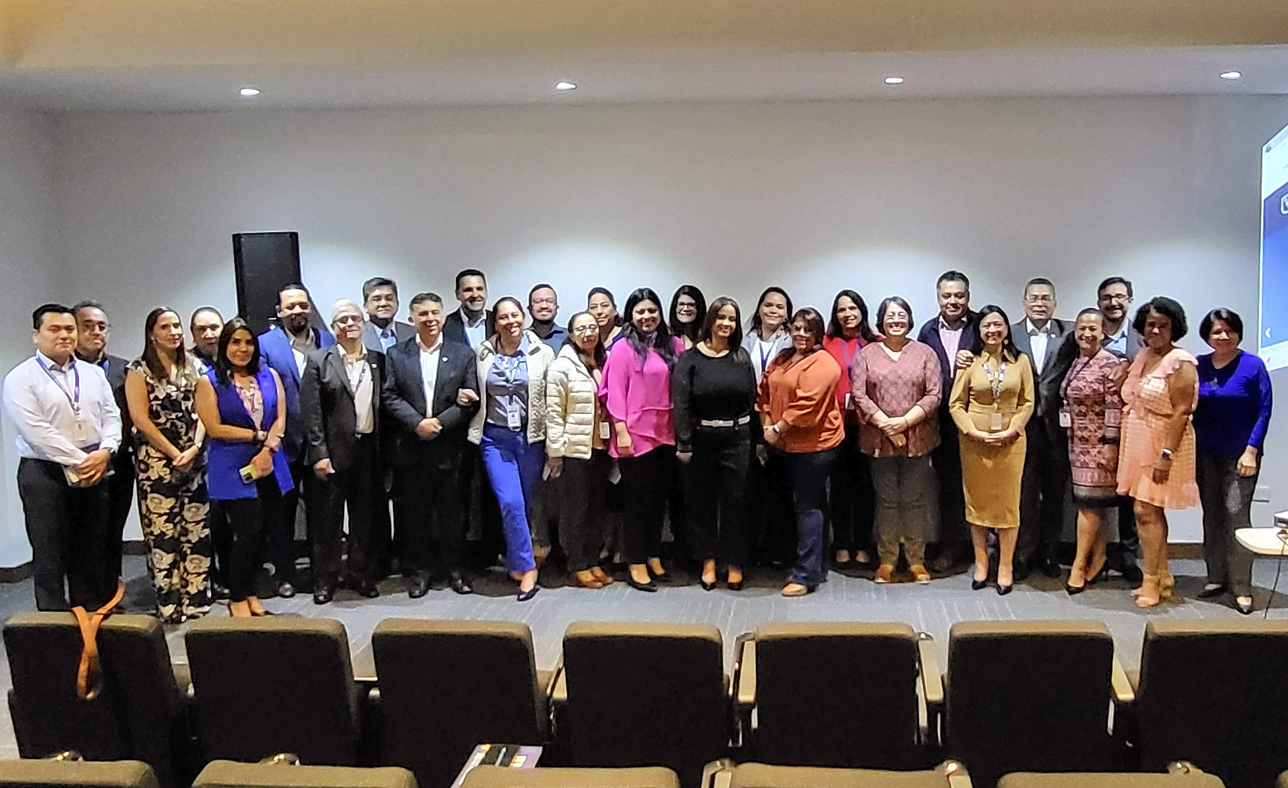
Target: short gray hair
{"x":342,"y":305}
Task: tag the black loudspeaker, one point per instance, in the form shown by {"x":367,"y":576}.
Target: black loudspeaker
{"x":264,"y":263}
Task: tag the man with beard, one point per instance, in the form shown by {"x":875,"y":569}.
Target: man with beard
{"x":543,"y":305}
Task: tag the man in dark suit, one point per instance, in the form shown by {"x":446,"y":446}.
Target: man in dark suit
{"x":1041,"y":337}
{"x":286,"y":347}
{"x":340,"y":403}
{"x":469,"y":324}
{"x":424,"y":381}
{"x":380,"y":300}
{"x":92,"y":330}
{"x":949,"y":333}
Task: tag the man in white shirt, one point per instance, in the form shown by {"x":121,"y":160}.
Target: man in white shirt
{"x":472,"y":322}
{"x":69,"y":428}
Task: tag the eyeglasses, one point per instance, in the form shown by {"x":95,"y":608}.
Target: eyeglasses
{"x":543,"y":302}
{"x":1039,"y":298}
{"x":586,"y":330}
{"x":349,"y":318}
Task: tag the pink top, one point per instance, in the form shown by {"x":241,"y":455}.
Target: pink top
{"x":893,"y":387}
{"x":640,"y":396}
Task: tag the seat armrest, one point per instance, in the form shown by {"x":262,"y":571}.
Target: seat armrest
{"x":1124,"y":691}
{"x":555,"y":677}
{"x":559,"y":689}
{"x":744,"y":691}
{"x":932,"y":686}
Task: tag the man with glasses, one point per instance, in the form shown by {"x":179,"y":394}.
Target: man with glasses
{"x":1114,"y":299}
{"x":543,"y":305}
{"x":92,"y":330}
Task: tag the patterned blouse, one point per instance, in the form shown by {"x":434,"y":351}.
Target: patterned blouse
{"x":879,"y":382}
{"x":172,"y":407}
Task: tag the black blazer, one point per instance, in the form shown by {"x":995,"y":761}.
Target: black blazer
{"x":403,"y":398}
{"x":114,"y":368}
{"x":371,"y":335}
{"x":327,"y":406}
{"x":929,"y":334}
{"x":454,"y":327}
{"x":1046,"y":384}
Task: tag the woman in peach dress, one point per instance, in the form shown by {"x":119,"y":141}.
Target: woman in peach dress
{"x":1156,"y":461}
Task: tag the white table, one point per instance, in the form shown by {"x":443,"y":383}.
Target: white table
{"x":1264,"y":541}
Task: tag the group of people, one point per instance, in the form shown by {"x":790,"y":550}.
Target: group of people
{"x":878,"y":443}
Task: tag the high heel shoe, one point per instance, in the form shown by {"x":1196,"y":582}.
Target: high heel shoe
{"x":524,"y":596}
{"x":650,"y":586}
{"x":1244,"y":607}
{"x":977,"y":585}
{"x":707,"y":586}
{"x":1003,"y":590}
{"x":1149,"y":594}
{"x":1166,"y":585}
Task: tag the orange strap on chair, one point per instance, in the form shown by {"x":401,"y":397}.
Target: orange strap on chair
{"x":88,"y":674}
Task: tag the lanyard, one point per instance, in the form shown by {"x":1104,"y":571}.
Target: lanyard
{"x":1072,"y":376}
{"x":73,"y":400}
{"x":362,"y":374}
{"x":766,"y":351}
{"x":995,"y":382}
{"x":847,"y":355}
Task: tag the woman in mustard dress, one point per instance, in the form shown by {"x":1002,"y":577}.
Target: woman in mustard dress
{"x":1157,"y":459}
{"x":991,"y":403}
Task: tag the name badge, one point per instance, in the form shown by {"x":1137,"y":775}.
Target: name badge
{"x":995,"y":421}
{"x":604,"y":432}
{"x":513,"y":417}
{"x":80,"y":433}
{"x":1066,"y":418}
{"x":849,"y":401}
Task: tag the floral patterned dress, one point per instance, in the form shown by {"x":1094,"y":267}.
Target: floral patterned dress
{"x":173,"y":504}
{"x":1095,"y":413}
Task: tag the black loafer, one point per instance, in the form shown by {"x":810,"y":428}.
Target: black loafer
{"x":1212,"y":590}
{"x":285,"y":590}
{"x":323,"y":595}
{"x":650,"y":586}
{"x":1049,"y":568}
{"x":368,"y":589}
{"x":461,"y":586}
{"x":1131,"y":573}
{"x":418,"y":587}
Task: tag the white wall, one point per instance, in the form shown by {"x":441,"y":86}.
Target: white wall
{"x":30,"y":266}
{"x":879,"y":196}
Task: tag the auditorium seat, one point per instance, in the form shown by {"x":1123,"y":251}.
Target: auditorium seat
{"x":645,"y":694}
{"x":1185,"y":776}
{"x":1212,"y":692}
{"x":447,"y":686}
{"x":638,"y":777}
{"x":50,"y":773}
{"x":231,"y":774}
{"x":759,"y":775}
{"x":805,"y":682}
{"x":139,"y":713}
{"x":1029,"y":696}
{"x":270,"y":685}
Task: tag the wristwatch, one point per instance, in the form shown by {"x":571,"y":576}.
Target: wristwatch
{"x":261,"y":437}
{"x":1167,"y":454}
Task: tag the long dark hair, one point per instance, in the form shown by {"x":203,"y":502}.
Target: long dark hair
{"x":223,"y":369}
{"x":152,"y":359}
{"x":599,"y":354}
{"x":814,"y":322}
{"x":661,"y":340}
{"x":834,"y":329}
{"x":691,"y":330}
{"x":755,"y":315}
{"x":604,"y":291}
{"x":709,"y":324}
{"x":1009,"y":349}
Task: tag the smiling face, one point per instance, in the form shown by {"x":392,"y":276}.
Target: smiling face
{"x":1113,"y":302}
{"x":1158,"y":332}
{"x":686,"y":309}
{"x":348,"y":324}
{"x":802,"y":337}
{"x":543,"y":304}
{"x":56,"y":337}
{"x":1222,"y":338}
{"x":1039,"y":303}
{"x":427,"y":316}
{"x":726,"y":322}
{"x":167,"y":333}
{"x":601,"y":306}
{"x":1090,"y":332}
{"x":896,"y":321}
{"x":954,"y":300}
{"x":241,"y":348}
{"x":472,"y":293}
{"x":646,"y":316}
{"x":848,"y":314}
{"x":382,"y":303}
{"x":993,"y":329}
{"x":509,"y":320}
{"x":773,"y":311}
{"x":585,"y":332}
{"x":92,"y":329}
{"x":293,"y":310}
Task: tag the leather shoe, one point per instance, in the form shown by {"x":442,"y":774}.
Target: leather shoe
{"x":1004,"y":590}
{"x":1212,"y":590}
{"x":285,"y":590}
{"x":367,"y":589}
{"x":524,"y":596}
{"x":650,"y":586}
{"x":323,"y":594}
{"x":1022,"y":570}
{"x":460,"y":585}
{"x":1049,"y":568}
{"x":734,"y":586}
{"x":978,"y":585}
{"x":418,"y":586}
{"x":219,"y":591}
{"x":1130,"y":572}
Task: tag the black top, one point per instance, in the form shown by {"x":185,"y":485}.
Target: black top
{"x":711,"y":389}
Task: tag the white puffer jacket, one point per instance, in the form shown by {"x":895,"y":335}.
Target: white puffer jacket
{"x":539,"y":358}
{"x":570,"y":407}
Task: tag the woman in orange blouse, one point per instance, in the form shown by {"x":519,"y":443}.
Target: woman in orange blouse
{"x":800,"y":417}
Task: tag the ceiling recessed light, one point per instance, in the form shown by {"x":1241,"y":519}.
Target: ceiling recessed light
{"x":893,"y":80}
{"x":1231,"y":75}
{"x":565,"y":85}
{"x":249,"y":92}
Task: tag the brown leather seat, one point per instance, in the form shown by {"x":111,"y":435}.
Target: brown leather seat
{"x":446,"y":686}
{"x":646,"y":694}
{"x":1211,"y":692}
{"x":271,"y":685}
{"x":759,"y":775}
{"x":139,"y":713}
{"x":40,"y":773}
{"x":501,"y":777}
{"x":1029,"y":696}
{"x":1194,"y":779}
{"x":230,"y":774}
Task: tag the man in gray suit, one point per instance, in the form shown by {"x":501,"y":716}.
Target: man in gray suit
{"x":380,"y":301}
{"x":1040,"y":336}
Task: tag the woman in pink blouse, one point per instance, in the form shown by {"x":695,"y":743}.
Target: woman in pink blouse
{"x":636,"y":390}
{"x":896,"y":388}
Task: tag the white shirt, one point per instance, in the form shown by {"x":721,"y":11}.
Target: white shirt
{"x":429,"y":359}
{"x":762,"y":352}
{"x":951,"y":339}
{"x":361,"y":381}
{"x":475,"y":332}
{"x":1039,"y":339}
{"x":50,"y":427}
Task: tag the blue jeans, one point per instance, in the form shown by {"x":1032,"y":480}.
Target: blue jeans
{"x":513,"y":467}
{"x":808,"y":472}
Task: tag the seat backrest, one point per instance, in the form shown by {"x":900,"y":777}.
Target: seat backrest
{"x":229,"y":774}
{"x":638,"y":777}
{"x":1211,"y":692}
{"x":813,"y":680}
{"x":646,"y":694}
{"x":138,"y":713}
{"x":759,"y":775}
{"x":270,"y":685}
{"x":76,"y":774}
{"x":1028,"y":696}
{"x":446,"y":686}
{"x":1196,"y":779}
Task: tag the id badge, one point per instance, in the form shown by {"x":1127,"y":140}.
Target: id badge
{"x":995,"y":421}
{"x":1066,"y":418}
{"x":80,"y":433}
{"x":604,"y":432}
{"x":513,"y":417}
{"x":849,"y":401}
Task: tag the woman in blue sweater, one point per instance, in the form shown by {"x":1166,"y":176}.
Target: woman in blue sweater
{"x":1230,"y":425}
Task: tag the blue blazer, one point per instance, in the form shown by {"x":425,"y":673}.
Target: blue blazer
{"x":275,"y":349}
{"x":225,"y":459}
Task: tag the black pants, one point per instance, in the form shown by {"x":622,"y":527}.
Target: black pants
{"x":583,"y":487}
{"x":358,"y":487}
{"x":715,"y":485}
{"x":646,"y":489}
{"x":249,"y":519}
{"x":281,"y":533}
{"x":769,"y":497}
{"x":70,"y":541}
{"x":120,"y":493}
{"x":851,"y":504}
{"x":947,"y":461}
{"x":479,"y":511}
{"x":1042,"y":495}
{"x":221,"y":539}
{"x":427,"y":506}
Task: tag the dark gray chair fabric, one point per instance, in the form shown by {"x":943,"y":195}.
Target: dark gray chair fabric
{"x":270,"y":685}
{"x":230,"y":774}
{"x":76,"y":774}
{"x":1029,"y":696}
{"x":447,"y":686}
{"x":501,"y":777}
{"x":139,"y":713}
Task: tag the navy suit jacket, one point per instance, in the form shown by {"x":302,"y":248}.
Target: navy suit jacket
{"x":454,"y":327}
{"x":403,"y":399}
{"x":371,"y":335}
{"x":275,"y":350}
{"x":929,"y":334}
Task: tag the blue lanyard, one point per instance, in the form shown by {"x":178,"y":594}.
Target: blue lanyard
{"x":848,"y":356}
{"x":765,"y":353}
{"x":73,"y":400}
